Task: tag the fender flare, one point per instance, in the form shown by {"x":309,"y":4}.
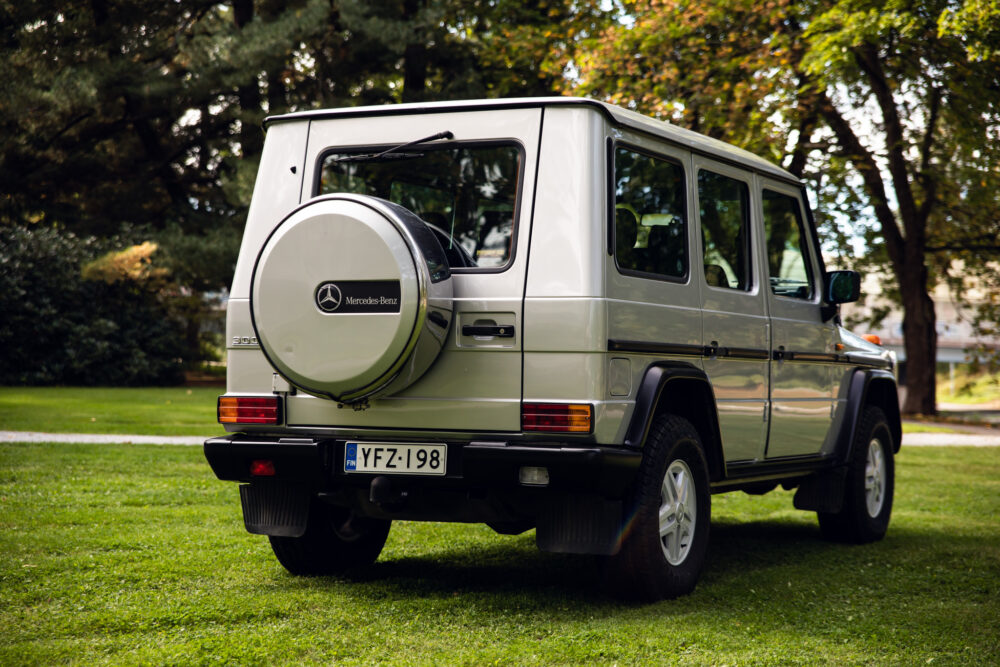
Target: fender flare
{"x":869,"y":386}
{"x":660,"y":384}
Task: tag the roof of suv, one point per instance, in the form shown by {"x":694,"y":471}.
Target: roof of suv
{"x":624,"y":117}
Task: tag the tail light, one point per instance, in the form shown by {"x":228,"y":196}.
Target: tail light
{"x":249,"y":410}
{"x":557,"y":417}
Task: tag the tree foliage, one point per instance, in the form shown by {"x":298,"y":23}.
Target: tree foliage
{"x":149,"y":113}
{"x":891,"y":107}
{"x":147,"y":116}
{"x":62,"y":328}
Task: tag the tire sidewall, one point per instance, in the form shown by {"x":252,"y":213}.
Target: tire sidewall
{"x":643,"y":569}
{"x":325,"y":549}
{"x":870,"y":528}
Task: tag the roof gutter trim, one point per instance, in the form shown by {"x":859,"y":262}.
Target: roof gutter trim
{"x":616,"y":115}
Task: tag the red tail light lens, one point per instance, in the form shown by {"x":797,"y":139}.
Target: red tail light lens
{"x":557,"y":417}
{"x":249,"y":410}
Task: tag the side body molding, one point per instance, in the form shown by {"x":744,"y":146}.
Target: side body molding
{"x":683,"y":389}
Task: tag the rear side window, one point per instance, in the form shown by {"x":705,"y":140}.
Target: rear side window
{"x":466,"y":194}
{"x":787,"y":257}
{"x":650,"y":222}
{"x":724,"y":205}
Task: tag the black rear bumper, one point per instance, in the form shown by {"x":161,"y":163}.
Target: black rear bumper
{"x":606,"y":471}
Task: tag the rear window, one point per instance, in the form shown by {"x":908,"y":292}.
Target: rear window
{"x":467,"y":194}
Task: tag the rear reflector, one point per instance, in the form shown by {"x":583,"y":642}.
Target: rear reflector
{"x":249,"y":409}
{"x":557,"y":417}
{"x":262,"y":468}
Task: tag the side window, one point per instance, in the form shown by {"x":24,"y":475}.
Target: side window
{"x":650,"y":223}
{"x":787,"y":257}
{"x":724,"y":203}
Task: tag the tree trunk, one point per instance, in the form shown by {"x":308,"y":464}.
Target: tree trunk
{"x":415,"y":75}
{"x":919,"y":340}
{"x":414,"y":57}
{"x":251,"y":136}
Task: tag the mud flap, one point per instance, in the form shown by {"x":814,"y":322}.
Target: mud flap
{"x":823,"y":492}
{"x":580,"y":524}
{"x":278,"y":508}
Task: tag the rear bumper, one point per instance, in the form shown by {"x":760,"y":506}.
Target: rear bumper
{"x":473,"y":466}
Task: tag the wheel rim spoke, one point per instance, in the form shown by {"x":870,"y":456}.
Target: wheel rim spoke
{"x":875,"y":478}
{"x":677,"y":512}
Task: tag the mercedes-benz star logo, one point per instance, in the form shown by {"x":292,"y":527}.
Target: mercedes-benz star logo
{"x":328,"y":297}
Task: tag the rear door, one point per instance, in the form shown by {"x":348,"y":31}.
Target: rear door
{"x":733,"y":307}
{"x":802,"y":344}
{"x":474,"y":190}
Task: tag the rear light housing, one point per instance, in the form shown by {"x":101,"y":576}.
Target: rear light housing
{"x":557,"y":417}
{"x":249,"y":410}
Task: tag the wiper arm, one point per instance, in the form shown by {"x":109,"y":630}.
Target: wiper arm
{"x":392,"y":152}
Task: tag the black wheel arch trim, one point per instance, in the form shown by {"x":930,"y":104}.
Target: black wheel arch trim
{"x":655,"y":382}
{"x":869,"y":386}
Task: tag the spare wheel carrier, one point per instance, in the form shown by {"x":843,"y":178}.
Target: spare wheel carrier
{"x":351,"y":297}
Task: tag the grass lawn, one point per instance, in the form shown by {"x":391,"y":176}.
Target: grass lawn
{"x":136,"y":554}
{"x":911,"y":427}
{"x":971,"y":386}
{"x":130,"y":410}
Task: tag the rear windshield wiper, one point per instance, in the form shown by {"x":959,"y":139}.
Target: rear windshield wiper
{"x":393,"y":153}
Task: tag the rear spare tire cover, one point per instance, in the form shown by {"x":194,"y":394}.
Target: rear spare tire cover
{"x":351,"y":297}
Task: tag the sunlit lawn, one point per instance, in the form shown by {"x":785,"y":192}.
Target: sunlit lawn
{"x":136,"y":554}
{"x":153,"y":411}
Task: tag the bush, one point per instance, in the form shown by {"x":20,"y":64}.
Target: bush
{"x":59,"y":328}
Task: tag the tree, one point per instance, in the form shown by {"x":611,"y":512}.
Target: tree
{"x":73,"y":314}
{"x":149,"y":113}
{"x":907,"y":93}
{"x":147,"y":116}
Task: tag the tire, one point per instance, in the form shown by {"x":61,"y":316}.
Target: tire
{"x":868,"y":492}
{"x":335,"y":541}
{"x":661,"y":556}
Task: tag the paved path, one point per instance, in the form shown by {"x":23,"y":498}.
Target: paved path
{"x":945,"y":439}
{"x":105,"y":439}
{"x":983,"y":439}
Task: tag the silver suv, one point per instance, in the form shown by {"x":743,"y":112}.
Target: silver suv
{"x":539,"y":313}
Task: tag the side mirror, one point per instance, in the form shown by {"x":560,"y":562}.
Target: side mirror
{"x":841,"y":287}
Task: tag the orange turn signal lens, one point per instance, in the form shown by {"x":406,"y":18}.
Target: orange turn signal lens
{"x":873,"y":338}
{"x":248,"y":409}
{"x":557,"y":417}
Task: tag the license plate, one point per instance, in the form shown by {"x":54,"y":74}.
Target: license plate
{"x":395,"y":458}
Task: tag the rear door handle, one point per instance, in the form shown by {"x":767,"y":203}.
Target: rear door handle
{"x":494,"y":330}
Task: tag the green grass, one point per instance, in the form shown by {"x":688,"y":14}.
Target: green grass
{"x":137,"y":555}
{"x":152,"y":411}
{"x":911,"y":427}
{"x":972,"y":386}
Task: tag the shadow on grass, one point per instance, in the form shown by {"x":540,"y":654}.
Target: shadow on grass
{"x":739,"y":552}
{"x":508,"y":568}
